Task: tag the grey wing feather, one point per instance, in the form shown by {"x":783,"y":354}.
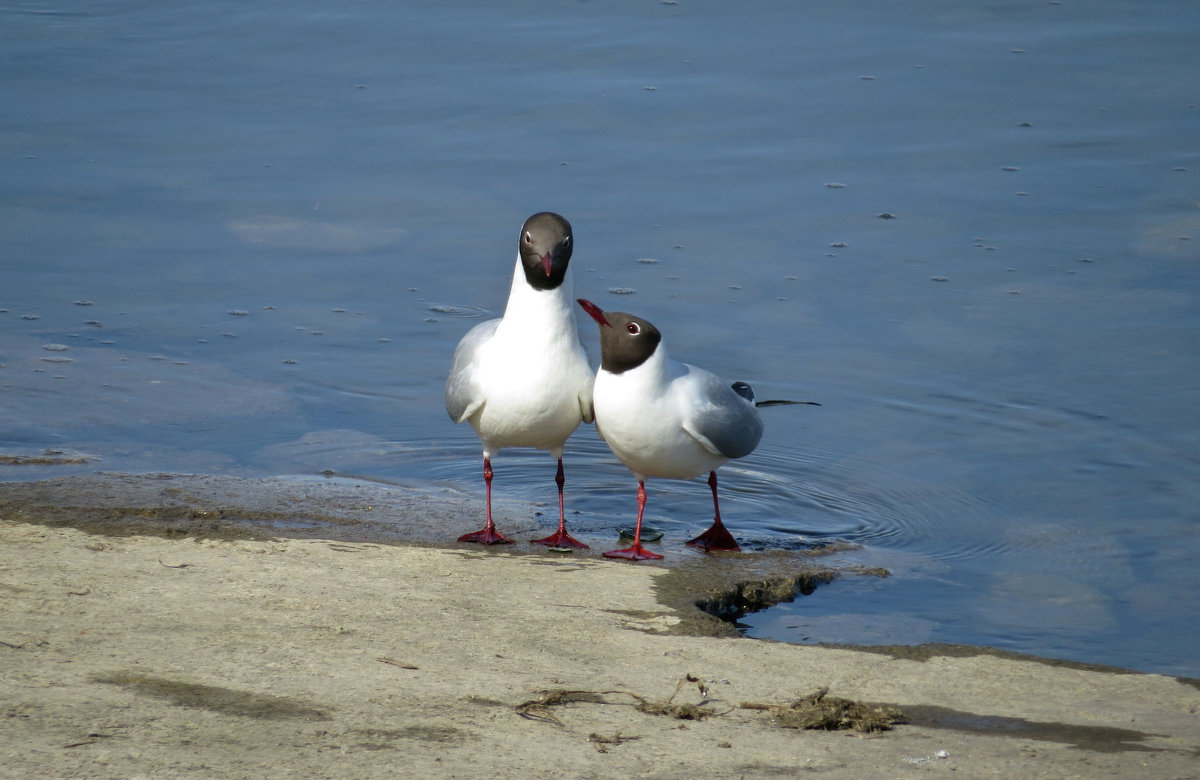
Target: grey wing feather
{"x":725,"y":422}
{"x":464,"y":396}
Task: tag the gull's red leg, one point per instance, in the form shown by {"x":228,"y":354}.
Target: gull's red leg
{"x":489,"y":534}
{"x":636,"y":552}
{"x":716,"y":537}
{"x":561,"y":538}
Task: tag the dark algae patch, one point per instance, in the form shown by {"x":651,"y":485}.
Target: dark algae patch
{"x":819,"y":710}
{"x":539,"y":708}
{"x":755,"y":595}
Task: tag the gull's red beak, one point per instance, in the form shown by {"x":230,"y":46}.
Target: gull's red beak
{"x":546,"y":263}
{"x":594,"y":311}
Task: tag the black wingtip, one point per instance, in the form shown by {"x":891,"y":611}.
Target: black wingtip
{"x":786,"y":403}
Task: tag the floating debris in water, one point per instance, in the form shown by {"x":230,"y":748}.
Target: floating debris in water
{"x":647,"y":260}
{"x":57,"y":359}
{"x":29,"y":316}
{"x":621,"y":290}
{"x":238,"y":312}
{"x":1010,"y":168}
{"x":83,"y":303}
{"x":940,"y":278}
{"x":451,"y":310}
{"x":835,"y":185}
{"x":887,"y":215}
{"x":46,"y":458}
{"x":55,"y":347}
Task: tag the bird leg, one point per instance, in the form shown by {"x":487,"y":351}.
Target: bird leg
{"x":561,"y":538}
{"x":636,"y":552}
{"x":716,"y":537}
{"x":489,"y":534}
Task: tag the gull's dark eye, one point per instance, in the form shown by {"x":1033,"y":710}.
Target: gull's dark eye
{"x":633,"y":329}
{"x":528,"y":238}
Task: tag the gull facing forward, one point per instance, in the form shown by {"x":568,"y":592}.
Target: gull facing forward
{"x":523,"y":380}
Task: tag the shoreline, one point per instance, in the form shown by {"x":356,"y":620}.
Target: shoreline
{"x":153,"y":631}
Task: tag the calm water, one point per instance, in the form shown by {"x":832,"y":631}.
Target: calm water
{"x":244,"y":238}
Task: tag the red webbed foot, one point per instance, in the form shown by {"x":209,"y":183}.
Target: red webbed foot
{"x":716,"y":538}
{"x":561,"y":539}
{"x":488,"y":535}
{"x":635,"y":553}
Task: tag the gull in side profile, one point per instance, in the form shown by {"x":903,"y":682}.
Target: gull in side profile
{"x":523,"y":380}
{"x":662,"y":418}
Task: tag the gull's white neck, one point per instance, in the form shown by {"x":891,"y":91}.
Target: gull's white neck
{"x":651,"y":377}
{"x":538,"y":312}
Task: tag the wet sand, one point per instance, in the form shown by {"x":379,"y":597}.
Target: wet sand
{"x":165,"y":625}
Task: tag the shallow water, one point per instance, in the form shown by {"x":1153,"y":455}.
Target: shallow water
{"x":245,"y":239}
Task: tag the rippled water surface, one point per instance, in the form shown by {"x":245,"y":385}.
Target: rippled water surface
{"x":244,"y":238}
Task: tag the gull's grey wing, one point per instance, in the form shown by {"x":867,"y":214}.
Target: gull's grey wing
{"x":721,"y":419}
{"x":464,"y":396}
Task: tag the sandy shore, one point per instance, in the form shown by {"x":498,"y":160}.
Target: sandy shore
{"x":163,"y":626}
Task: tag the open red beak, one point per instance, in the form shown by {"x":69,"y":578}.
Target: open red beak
{"x":594,"y":311}
{"x":546,"y":263}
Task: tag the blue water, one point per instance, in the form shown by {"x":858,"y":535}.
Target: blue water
{"x":244,"y":238}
